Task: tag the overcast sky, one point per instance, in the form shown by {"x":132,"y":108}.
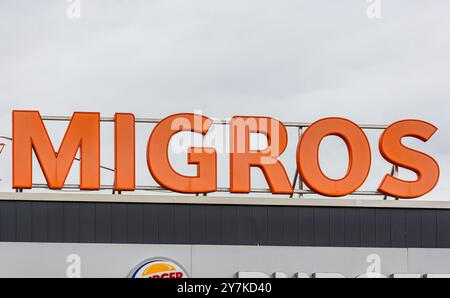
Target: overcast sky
{"x":294,"y":60}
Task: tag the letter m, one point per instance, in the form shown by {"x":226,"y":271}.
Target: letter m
{"x":30,"y":134}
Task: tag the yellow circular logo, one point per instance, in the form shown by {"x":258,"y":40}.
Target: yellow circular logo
{"x":159,"y":268}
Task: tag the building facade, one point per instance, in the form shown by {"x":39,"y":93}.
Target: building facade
{"x":81,"y":235}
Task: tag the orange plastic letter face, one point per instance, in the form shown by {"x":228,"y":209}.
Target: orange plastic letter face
{"x":242,"y":158}
{"x":204,"y":158}
{"x":359,"y":157}
{"x":395,"y":152}
{"x":125,"y":164}
{"x":29,"y":134}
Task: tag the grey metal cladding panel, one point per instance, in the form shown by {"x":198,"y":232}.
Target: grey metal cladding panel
{"x":71,"y":222}
{"x":103,"y":222}
{"x":291,"y":228}
{"x":383,"y":228}
{"x":260,"y":225}
{"x":93,"y":217}
{"x":39,"y":222}
{"x":322,"y":226}
{"x":353,"y":227}
{"x":398,"y":228}
{"x":150,"y":223}
{"x":8,"y":222}
{"x":55,"y":221}
{"x":135,"y":223}
{"x":213,"y":225}
{"x":24,"y":227}
{"x":368,"y":227}
{"x":198,"y":224}
{"x":23,"y":221}
{"x":443,"y":230}
{"x":182,"y":224}
{"x":275,"y":225}
{"x":429,"y":229}
{"x":337,"y":227}
{"x":166,"y":228}
{"x":414,"y":228}
{"x":306,"y":226}
{"x":244,"y":222}
{"x":229,"y":225}
{"x":119,"y":224}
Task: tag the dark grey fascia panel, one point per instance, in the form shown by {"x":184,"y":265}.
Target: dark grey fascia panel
{"x":214,"y":224}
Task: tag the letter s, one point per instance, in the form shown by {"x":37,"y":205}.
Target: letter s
{"x":395,"y":152}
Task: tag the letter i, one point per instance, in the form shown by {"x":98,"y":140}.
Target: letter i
{"x":125,"y":164}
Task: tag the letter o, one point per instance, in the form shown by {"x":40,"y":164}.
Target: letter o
{"x":359,"y":157}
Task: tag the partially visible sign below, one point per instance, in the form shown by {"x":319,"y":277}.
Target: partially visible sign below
{"x":338,"y":275}
{"x":159,"y":268}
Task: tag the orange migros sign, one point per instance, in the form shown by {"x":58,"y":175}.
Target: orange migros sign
{"x":83,"y":134}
